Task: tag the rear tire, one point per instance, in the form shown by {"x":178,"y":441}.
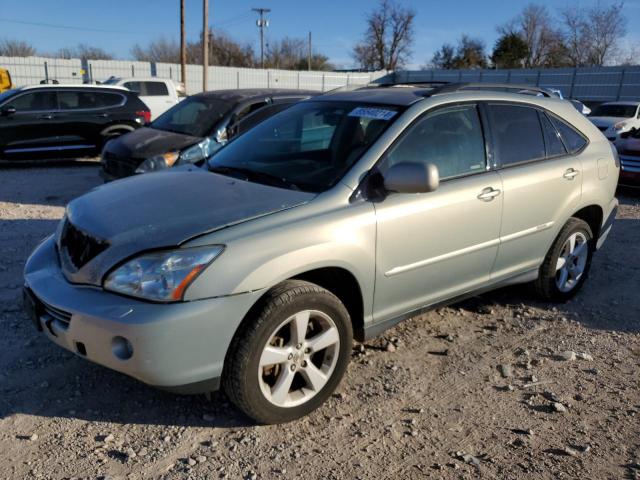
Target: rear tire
{"x":289,"y":354}
{"x":567,"y":264}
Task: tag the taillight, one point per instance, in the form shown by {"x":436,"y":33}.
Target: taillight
{"x":146,"y":114}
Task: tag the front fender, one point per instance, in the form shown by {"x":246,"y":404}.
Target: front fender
{"x":260,"y":257}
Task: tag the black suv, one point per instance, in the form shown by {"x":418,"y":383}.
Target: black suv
{"x":194,"y":129}
{"x":55,"y":121}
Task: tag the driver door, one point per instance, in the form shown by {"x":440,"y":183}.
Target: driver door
{"x":437,"y":245}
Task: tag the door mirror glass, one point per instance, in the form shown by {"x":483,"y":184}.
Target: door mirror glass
{"x":409,"y":177}
{"x":8,"y":110}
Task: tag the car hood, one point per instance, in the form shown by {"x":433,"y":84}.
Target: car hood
{"x":146,"y":142}
{"x":606,"y":121}
{"x":163,"y":210}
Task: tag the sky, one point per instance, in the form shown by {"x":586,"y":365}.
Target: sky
{"x":336,"y":25}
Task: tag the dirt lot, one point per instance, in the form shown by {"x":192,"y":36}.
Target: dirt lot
{"x":479,"y":389}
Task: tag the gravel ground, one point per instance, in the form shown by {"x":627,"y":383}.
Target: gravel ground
{"x":501,"y":386}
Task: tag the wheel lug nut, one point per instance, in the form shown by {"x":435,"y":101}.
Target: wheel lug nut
{"x":307,"y":350}
{"x":299,"y":346}
{"x":293,"y":368}
{"x":304,"y":364}
{"x":290,"y":356}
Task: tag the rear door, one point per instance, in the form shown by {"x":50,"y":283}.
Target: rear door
{"x":542,"y":180}
{"x":32,"y":129}
{"x":84,"y":114}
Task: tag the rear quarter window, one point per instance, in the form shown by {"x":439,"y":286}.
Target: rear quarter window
{"x":572,"y":139}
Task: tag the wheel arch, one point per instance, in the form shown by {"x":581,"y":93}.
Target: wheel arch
{"x":593,"y":216}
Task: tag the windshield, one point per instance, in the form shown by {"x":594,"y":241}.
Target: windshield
{"x":111,"y":81}
{"x":195,"y":116}
{"x":7,"y":94}
{"x":622,"y":111}
{"x":309,"y":146}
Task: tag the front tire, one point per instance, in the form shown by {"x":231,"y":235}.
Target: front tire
{"x":567,"y":264}
{"x":289,"y":354}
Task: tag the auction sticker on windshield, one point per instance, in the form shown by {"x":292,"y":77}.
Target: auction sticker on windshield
{"x":374,"y":113}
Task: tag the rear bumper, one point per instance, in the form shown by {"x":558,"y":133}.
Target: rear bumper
{"x":178,"y":346}
{"x":607,"y":224}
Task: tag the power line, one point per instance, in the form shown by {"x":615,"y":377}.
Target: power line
{"x":72,"y":27}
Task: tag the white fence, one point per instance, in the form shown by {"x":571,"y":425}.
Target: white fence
{"x":34,"y":70}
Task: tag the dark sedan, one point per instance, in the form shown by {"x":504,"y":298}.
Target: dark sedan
{"x":193,"y":129}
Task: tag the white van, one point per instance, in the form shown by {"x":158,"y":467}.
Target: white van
{"x":159,"y":94}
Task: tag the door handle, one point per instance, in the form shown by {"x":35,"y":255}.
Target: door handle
{"x":45,"y":117}
{"x":488,"y":194}
{"x":102,"y":115}
{"x":570,"y":174}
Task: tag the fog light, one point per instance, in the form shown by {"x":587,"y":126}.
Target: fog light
{"x":122,"y":348}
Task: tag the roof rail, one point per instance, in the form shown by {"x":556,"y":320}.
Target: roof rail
{"x":493,"y":87}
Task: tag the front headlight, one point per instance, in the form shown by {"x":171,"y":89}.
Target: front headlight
{"x":159,"y":162}
{"x":619,"y":125}
{"x":199,"y":151}
{"x":161,"y":276}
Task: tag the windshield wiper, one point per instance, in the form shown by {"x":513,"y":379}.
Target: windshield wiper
{"x":255,"y":176}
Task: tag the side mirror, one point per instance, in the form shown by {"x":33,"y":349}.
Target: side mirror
{"x":8,"y":110}
{"x":409,"y":177}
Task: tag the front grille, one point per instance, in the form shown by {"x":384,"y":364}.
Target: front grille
{"x":78,"y":246}
{"x":630,"y":163}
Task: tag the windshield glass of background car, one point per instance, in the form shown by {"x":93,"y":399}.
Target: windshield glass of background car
{"x":309,"y":146}
{"x":195,"y":116}
{"x":622,"y":111}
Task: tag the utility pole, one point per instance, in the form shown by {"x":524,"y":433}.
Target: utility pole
{"x":205,"y":43}
{"x":309,"y":54}
{"x":262,"y":23}
{"x":183,"y":47}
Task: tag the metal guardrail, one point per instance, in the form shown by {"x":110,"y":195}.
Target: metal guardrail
{"x":592,"y":84}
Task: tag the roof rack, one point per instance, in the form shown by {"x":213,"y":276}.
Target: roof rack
{"x":493,"y":87}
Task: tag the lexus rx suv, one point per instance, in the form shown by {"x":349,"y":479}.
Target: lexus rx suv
{"x":332,"y":220}
{"x":58,"y":121}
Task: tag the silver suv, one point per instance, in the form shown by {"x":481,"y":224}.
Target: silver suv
{"x":334,"y":219}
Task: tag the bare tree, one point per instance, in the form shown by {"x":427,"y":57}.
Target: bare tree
{"x":291,"y":54}
{"x":84,"y":51}
{"x":543,"y":39}
{"x":593,"y":36}
{"x":160,"y":50}
{"x":444,"y":58}
{"x":16,"y":48}
{"x":387,"y":41}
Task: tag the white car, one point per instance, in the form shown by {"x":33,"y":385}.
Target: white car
{"x":159,"y":94}
{"x":614,"y":118}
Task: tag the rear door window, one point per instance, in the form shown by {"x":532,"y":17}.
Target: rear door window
{"x":573,"y":141}
{"x":35,"y":102}
{"x":134,"y":87}
{"x":517,"y":133}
